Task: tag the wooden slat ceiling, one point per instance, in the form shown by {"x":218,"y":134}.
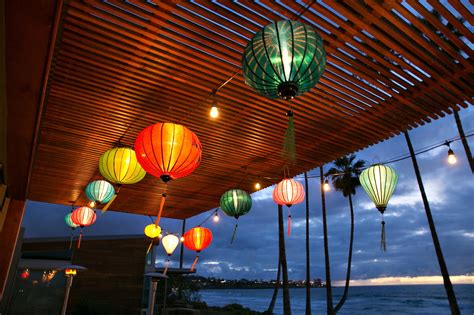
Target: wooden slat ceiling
{"x":121,"y":66}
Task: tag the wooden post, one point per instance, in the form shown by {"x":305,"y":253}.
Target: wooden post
{"x":181,"y":250}
{"x":308,"y":285}
{"x":330,"y":309}
{"x":442,"y":264}
{"x":284,"y":267}
{"x":464,"y":140}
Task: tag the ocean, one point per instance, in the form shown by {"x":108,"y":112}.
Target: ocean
{"x":408,"y":299}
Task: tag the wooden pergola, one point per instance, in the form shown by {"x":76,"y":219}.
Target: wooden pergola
{"x":115,"y":67}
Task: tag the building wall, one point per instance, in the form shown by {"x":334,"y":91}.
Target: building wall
{"x":113,"y":282}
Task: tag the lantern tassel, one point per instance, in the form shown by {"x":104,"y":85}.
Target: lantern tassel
{"x":289,"y":224}
{"x":106,"y":207}
{"x":289,"y":146}
{"x":80,"y":239}
{"x":383,"y":244}
{"x":149,"y":247}
{"x":194,"y":263}
{"x":162,"y":204}
{"x":233,"y":234}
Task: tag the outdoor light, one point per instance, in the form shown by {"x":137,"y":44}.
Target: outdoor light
{"x":168,"y":151}
{"x":181,"y":239}
{"x":120,"y":166}
{"x":284,"y":59}
{"x":258,"y":186}
{"x":99,"y":191}
{"x":170,"y":242}
{"x":288,"y":192}
{"x":25,"y":274}
{"x":235,"y":203}
{"x":214,"y":113}
{"x":70,"y":272}
{"x":197,"y":239}
{"x":216,"y":217}
{"x":326,"y":186}
{"x":451,"y":157}
{"x":379,"y":182}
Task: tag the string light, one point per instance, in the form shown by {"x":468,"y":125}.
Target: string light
{"x":326,"y":186}
{"x":451,"y":157}
{"x":258,"y":186}
{"x":216,"y":217}
{"x":181,"y":239}
{"x":91,"y":204}
{"x":214,"y":113}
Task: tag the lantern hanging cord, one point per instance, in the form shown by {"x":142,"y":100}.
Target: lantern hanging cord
{"x":211,"y":94}
{"x":213,"y":212}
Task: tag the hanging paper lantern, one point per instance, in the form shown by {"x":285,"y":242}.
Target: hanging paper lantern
{"x":288,"y":192}
{"x":69,"y":222}
{"x":197,"y":239}
{"x":152,"y":230}
{"x":379,"y":182}
{"x":100,"y":191}
{"x":120,"y":166}
{"x":83,"y":216}
{"x":168,"y":150}
{"x":25,"y":274}
{"x":235,"y":203}
{"x":170,"y":242}
{"x":284,"y":59}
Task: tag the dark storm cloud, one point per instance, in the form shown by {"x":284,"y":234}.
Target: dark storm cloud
{"x":254,"y":252}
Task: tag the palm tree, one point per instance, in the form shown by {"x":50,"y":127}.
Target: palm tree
{"x":345,"y":178}
{"x":275,"y":290}
{"x":284,"y":267}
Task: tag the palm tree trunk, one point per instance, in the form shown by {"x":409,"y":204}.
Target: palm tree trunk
{"x":442,"y":264}
{"x":330,"y":310}
{"x":349,"y":260}
{"x":308,"y":284}
{"x":284,"y":267}
{"x":275,"y":290}
{"x":464,"y":140}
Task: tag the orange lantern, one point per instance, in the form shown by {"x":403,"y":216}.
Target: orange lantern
{"x":168,"y":151}
{"x":288,"y":192}
{"x":197,"y":239}
{"x":83,"y":216}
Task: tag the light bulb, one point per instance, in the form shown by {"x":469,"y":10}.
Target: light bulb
{"x":326,"y":186}
{"x":160,"y":236}
{"x":216,"y":217}
{"x":92,"y":204}
{"x":181,"y":239}
{"x":451,"y":157}
{"x":258,"y":186}
{"x":214,"y":112}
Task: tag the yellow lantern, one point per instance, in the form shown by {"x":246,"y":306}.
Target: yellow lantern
{"x":120,"y":166}
{"x":152,"y":230}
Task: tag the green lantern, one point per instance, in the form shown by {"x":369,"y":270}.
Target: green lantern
{"x":100,"y":191}
{"x":69,"y":222}
{"x":379,"y":182}
{"x":235,"y":203}
{"x":284,"y":59}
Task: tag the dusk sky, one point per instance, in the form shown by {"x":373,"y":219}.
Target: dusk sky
{"x":253,"y":255}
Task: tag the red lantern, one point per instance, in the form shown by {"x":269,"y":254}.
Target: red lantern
{"x":288,"y":192}
{"x":168,"y":150}
{"x":83,"y":216}
{"x":25,"y":274}
{"x":197,"y":239}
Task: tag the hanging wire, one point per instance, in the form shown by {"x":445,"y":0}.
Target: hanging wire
{"x":213,"y":212}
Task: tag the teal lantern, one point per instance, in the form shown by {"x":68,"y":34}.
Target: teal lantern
{"x":379,"y":182}
{"x":100,"y":191}
{"x":235,"y":203}
{"x":69,"y":222}
{"x":284,"y":59}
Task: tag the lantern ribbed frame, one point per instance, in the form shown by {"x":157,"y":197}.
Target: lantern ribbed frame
{"x":235,"y":203}
{"x":168,"y":150}
{"x":100,"y":191}
{"x":69,"y":222}
{"x":288,"y":192}
{"x":120,"y":166}
{"x":379,"y":182}
{"x":83,"y":216}
{"x":284,"y":57}
{"x":152,"y":230}
{"x":197,"y":239}
{"x":170,"y":242}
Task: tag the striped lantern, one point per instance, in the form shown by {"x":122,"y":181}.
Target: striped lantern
{"x":168,"y":151}
{"x":83,"y":216}
{"x":379,"y":182}
{"x":235,"y":203}
{"x":152,"y":230}
{"x":197,"y":239}
{"x":69,"y":222}
{"x":288,"y":192}
{"x":100,"y":191}
{"x":120,"y":166}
